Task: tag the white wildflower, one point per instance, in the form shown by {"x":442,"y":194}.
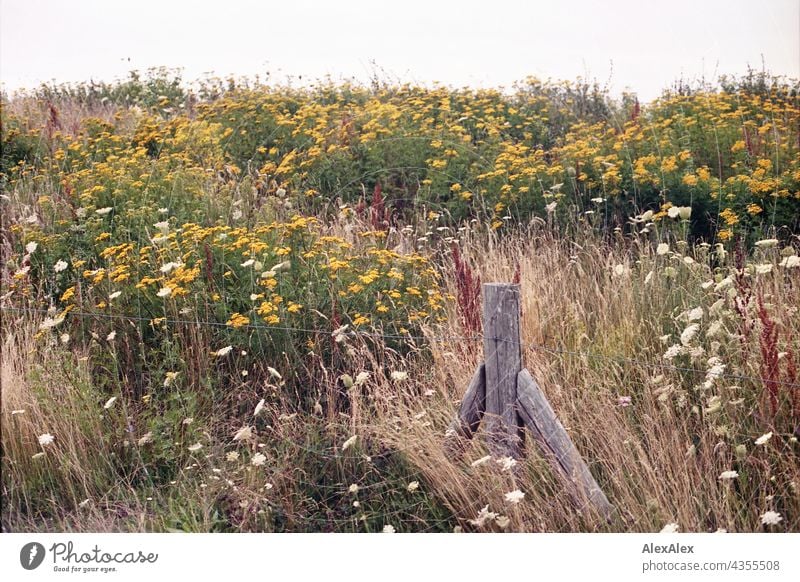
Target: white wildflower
{"x":111,"y":336}
{"x":483,"y":516}
{"x":662,"y":249}
{"x":243,"y":434}
{"x":551,"y":208}
{"x":728,"y":475}
{"x":621,"y":270}
{"x":51,"y":322}
{"x":413,"y":486}
{"x":502,"y":521}
{"x":104,"y":211}
{"x":688,"y":334}
{"x":388,"y":529}
{"x":232,"y":456}
{"x":695,"y":314}
{"x":31,"y":247}
{"x":767,"y":243}
{"x":60,"y":265}
{"x":481,"y":461}
{"x":349,"y":442}
{"x":146,"y":438}
{"x":361,"y":377}
{"x":163,"y":226}
{"x":110,"y":402}
{"x":169,"y":267}
{"x":259,"y":407}
{"x":195,"y":447}
{"x":249,"y":263}
{"x":771,"y":518}
{"x":46,"y":439}
{"x":670,"y":528}
{"x":515,"y":496}
{"x":673,"y":352}
{"x":763,"y":269}
{"x":764,"y":438}
{"x":164,"y":292}
{"x":399,"y":376}
{"x":223,"y":351}
{"x":353,"y":488}
{"x":258,"y":460}
{"x":507,"y":463}
{"x":114,"y":295}
{"x":791,"y":262}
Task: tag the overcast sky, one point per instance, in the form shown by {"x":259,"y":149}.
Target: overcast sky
{"x":637,"y":44}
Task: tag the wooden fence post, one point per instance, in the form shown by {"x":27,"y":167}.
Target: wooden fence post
{"x":506,"y":396}
{"x":503,"y":362}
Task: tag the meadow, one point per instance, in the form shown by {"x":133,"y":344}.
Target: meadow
{"x":237,"y":306}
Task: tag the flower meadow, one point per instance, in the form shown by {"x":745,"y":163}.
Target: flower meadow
{"x":235,"y":306}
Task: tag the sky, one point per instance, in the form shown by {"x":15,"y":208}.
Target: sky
{"x":638,"y":45}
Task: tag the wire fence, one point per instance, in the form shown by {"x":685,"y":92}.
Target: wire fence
{"x":353,"y":333}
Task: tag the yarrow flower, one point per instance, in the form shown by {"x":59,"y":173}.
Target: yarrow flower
{"x":110,"y":402}
{"x":164,"y":292}
{"x":243,"y":434}
{"x":223,"y":351}
{"x":399,"y":376}
{"x":728,"y":475}
{"x":507,"y":463}
{"x":388,"y":529}
{"x":46,"y":439}
{"x":764,"y":438}
{"x":413,"y":486}
{"x":515,"y":496}
{"x":60,"y":266}
{"x":771,"y":518}
{"x":258,"y":460}
{"x":670,"y":528}
{"x":483,"y":516}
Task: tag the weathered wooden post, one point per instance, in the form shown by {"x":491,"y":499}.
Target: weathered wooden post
{"x":506,"y":394}
{"x":502,"y":352}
